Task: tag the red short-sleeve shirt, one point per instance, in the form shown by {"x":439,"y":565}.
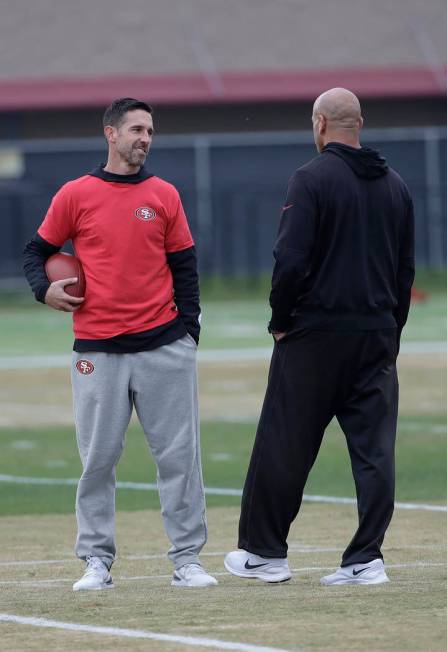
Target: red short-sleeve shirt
{"x":121,"y":232}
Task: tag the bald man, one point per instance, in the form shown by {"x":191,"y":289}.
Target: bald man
{"x":344,"y":266}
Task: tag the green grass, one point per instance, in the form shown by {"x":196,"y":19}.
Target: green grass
{"x":38,"y":521}
{"x":226,"y":448}
{"x":28,"y":328}
{"x":406,"y":615}
{"x":37,"y":330}
{"x":34,"y":330}
{"x":235,"y":314}
{"x":431,"y":280}
{"x":237,"y":288}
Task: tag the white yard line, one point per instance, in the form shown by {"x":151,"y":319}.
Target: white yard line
{"x":71,"y":560}
{"x":38,"y":562}
{"x":34,"y":361}
{"x":424,"y":347}
{"x":211,"y":491}
{"x":137,"y":633}
{"x":140,"y":578}
{"x":204,"y":355}
{"x":294,"y":549}
{"x":338,"y":500}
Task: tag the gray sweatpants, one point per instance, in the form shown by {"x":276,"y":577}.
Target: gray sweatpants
{"x":162,"y":385}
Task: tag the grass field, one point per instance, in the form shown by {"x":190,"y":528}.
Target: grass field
{"x":38,"y":525}
{"x":407,"y":614}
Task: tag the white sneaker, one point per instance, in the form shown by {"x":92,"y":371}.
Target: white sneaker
{"x":95,"y":578}
{"x":371,"y":573}
{"x":246,"y":564}
{"x":192,"y":575}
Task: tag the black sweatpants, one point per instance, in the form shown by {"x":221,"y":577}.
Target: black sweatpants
{"x":313,"y":377}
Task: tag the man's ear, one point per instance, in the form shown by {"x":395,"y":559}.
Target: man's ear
{"x":322,"y":124}
{"x":360,"y":122}
{"x":110,"y":133}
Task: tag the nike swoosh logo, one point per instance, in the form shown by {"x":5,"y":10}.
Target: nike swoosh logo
{"x":287,"y":206}
{"x":252,"y":566}
{"x":354,"y":572}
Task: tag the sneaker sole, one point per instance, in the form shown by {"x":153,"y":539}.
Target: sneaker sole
{"x":377,"y":580}
{"x":182,"y":584}
{"x":259,"y":575}
{"x":95,"y":588}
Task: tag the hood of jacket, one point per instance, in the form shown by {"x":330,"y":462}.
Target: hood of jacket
{"x":365,"y":162}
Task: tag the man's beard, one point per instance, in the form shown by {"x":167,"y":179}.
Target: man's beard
{"x":134,"y":156}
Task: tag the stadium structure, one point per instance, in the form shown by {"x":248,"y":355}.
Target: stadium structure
{"x":232,"y":84}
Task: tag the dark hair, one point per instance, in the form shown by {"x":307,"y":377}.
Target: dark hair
{"x":114,"y":113}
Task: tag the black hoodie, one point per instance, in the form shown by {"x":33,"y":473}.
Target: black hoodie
{"x":345,"y":247}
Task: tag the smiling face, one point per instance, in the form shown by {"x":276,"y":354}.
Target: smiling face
{"x":130,"y":141}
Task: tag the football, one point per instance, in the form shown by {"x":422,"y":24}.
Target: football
{"x":62,"y":265}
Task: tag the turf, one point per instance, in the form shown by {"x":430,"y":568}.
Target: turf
{"x":29,"y":328}
{"x":37,"y":522}
{"x":406,"y":615}
{"x":51,"y":453}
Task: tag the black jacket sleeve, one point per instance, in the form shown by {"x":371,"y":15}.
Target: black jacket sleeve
{"x":293,"y":250}
{"x":405,"y":270}
{"x":36,"y":252}
{"x":183,"y":266}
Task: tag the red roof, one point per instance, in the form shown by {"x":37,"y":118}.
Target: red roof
{"x":230,"y":87}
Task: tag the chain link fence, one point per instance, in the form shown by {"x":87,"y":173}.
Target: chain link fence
{"x":232,"y":186}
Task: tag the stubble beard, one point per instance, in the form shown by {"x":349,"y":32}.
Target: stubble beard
{"x":134,"y":156}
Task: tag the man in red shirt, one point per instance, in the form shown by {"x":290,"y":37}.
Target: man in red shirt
{"x":136,"y":335}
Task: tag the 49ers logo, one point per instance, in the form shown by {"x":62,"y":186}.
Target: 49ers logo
{"x":85,"y":367}
{"x":145,"y":213}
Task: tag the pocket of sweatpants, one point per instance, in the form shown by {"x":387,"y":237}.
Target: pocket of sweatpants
{"x":191,"y":340}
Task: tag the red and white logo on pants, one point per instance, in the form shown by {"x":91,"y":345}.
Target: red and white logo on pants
{"x":85,"y":367}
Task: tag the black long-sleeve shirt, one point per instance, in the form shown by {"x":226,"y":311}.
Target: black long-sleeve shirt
{"x":344,"y":255}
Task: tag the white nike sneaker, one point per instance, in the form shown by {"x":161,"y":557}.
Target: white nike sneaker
{"x":192,"y":575}
{"x":246,"y":564}
{"x":370,"y":573}
{"x":95,"y":578}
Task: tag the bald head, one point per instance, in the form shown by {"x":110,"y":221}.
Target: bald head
{"x":337,"y":117}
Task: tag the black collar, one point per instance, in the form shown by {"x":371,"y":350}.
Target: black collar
{"x":140,"y":176}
